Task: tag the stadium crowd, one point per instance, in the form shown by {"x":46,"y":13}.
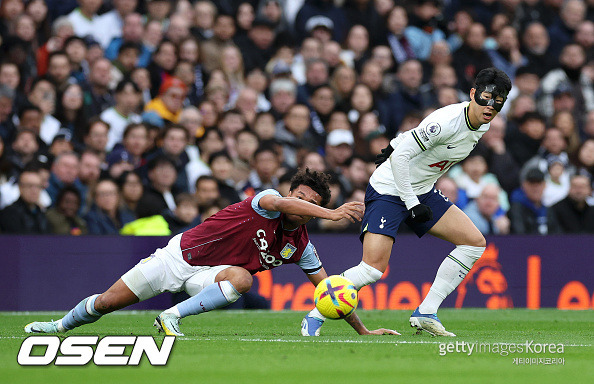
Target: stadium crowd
{"x":147,"y":117}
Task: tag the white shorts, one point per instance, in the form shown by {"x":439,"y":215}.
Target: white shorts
{"x":166,"y":270}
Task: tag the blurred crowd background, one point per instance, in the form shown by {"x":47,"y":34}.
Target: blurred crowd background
{"x":147,"y":117}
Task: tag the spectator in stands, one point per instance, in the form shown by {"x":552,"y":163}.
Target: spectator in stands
{"x":507,"y":56}
{"x":283,"y":94}
{"x":43,"y":96}
{"x":63,"y":218}
{"x":98,"y":96}
{"x":185,"y":215}
{"x":128,"y":155}
{"x":294,"y":134}
{"x":174,"y":140}
{"x":221,"y":165}
{"x":573,"y":213}
{"x":408,"y":97}
{"x":538,"y":49}
{"x":64,"y":172}
{"x":571,"y":14}
{"x":158,"y":195}
{"x":316,"y":74}
{"x":207,"y":190}
{"x":557,"y":178}
{"x":131,"y":190}
{"x":472,"y":176}
{"x":572,"y":78}
{"x":223,"y":31}
{"x":471,"y":57}
{"x":524,"y":143}
{"x":96,"y":136}
{"x":527,"y":213}
{"x":23,"y":149}
{"x":486,"y":213}
{"x":105,"y":216}
{"x":123,"y":113}
{"x":25,"y":216}
{"x":264,"y":174}
{"x":169,"y":103}
{"x":339,"y":148}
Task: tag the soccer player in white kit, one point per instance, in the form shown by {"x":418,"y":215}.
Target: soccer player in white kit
{"x":402,"y":189}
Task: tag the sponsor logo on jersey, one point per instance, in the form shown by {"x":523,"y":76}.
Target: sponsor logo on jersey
{"x":288,"y":251}
{"x":450,"y":146}
{"x":433,"y":129}
{"x":262,"y":245}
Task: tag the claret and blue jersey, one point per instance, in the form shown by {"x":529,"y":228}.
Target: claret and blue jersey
{"x":248,"y":236}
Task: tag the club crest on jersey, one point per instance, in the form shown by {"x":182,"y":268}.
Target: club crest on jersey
{"x":433,"y":129}
{"x":288,"y":251}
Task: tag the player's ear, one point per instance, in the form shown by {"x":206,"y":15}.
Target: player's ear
{"x":472,"y":91}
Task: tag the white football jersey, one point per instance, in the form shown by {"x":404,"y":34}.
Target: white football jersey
{"x":427,"y":152}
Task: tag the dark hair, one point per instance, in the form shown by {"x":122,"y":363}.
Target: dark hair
{"x":493,"y":76}
{"x":133,"y":126}
{"x":125,"y":81}
{"x":265,"y":147}
{"x":160,"y":160}
{"x":129,"y":45}
{"x":121,"y":180}
{"x":204,"y":178}
{"x":65,"y":190}
{"x":28,"y":107}
{"x":318,"y":181}
{"x":214,"y":155}
{"x":172,"y":127}
{"x":186,"y":198}
{"x":57,"y":53}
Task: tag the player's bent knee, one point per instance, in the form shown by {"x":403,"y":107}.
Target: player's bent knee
{"x":106,"y":303}
{"x":241,"y":279}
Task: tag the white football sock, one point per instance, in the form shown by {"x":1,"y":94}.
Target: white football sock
{"x":362,"y":275}
{"x":450,"y":274}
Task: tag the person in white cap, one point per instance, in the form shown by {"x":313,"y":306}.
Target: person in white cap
{"x":339,"y":147}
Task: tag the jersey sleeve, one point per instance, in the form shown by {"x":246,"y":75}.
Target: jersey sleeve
{"x":310,"y":262}
{"x":261,"y":211}
{"x":412,"y":143}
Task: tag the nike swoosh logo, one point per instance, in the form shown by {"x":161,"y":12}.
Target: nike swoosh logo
{"x":451,"y":146}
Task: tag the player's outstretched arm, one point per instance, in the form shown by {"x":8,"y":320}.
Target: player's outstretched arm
{"x":296,"y":206}
{"x":353,"y":319}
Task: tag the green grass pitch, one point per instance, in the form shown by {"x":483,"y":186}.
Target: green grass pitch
{"x":265,"y":347}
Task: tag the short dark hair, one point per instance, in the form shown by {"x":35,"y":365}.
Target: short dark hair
{"x":125,"y":81}
{"x":318,"y":181}
{"x":68,"y":189}
{"x":160,"y":160}
{"x":204,"y":178}
{"x":495,"y":76}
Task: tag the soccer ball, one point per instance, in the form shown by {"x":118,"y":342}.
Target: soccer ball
{"x":336,"y":297}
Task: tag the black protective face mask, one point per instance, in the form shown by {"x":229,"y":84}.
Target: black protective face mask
{"x":495,"y":93}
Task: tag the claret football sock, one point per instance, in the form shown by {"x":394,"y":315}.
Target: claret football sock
{"x":83,"y":313}
{"x":214,"y":296}
{"x":450,"y":274}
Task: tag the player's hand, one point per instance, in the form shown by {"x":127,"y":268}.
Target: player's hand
{"x":382,"y":157}
{"x":352,"y":211}
{"x":381,"y":331}
{"x":421,"y":213}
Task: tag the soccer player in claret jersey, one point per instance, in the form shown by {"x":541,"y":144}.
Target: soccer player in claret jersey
{"x":214,"y":261}
{"x":402,"y":190}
